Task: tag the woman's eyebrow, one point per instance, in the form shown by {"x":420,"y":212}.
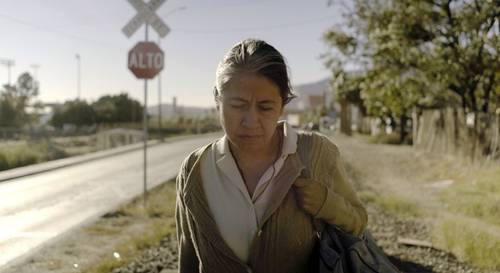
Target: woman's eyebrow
{"x":237,"y":99}
{"x":267,"y":102}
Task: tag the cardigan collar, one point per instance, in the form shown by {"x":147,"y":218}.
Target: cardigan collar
{"x":227,"y":164}
{"x":197,"y":204}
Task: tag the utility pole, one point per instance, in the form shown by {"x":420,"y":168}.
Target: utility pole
{"x":35,"y":70}
{"x":159,"y":74}
{"x":8,"y":63}
{"x":159,"y":95}
{"x":78,"y":76}
{"x":145,"y":132}
{"x":35,"y":74}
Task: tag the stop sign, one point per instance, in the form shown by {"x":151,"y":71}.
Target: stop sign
{"x":145,"y":60}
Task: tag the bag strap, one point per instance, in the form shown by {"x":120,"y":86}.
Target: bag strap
{"x":304,"y":148}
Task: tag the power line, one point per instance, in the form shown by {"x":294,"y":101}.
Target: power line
{"x":184,"y":30}
{"x":53,"y":31}
{"x":231,"y":6}
{"x":247,"y":29}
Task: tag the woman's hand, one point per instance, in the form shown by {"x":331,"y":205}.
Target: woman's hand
{"x":310,"y":195}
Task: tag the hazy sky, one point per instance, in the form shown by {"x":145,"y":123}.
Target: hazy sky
{"x":51,"y":32}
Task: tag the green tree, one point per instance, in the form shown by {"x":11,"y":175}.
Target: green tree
{"x":117,"y":108}
{"x":76,"y":112}
{"x":421,"y":53}
{"x":14,"y":99}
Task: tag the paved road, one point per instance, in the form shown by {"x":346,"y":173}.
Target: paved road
{"x":37,"y":208}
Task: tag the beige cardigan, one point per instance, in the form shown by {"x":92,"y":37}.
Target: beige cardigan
{"x":287,"y":237}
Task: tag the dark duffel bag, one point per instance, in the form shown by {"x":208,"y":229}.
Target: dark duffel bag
{"x":341,"y":252}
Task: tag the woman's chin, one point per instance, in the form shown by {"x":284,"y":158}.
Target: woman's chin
{"x":250,"y":141}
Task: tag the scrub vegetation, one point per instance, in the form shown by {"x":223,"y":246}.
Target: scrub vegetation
{"x":158,"y":219}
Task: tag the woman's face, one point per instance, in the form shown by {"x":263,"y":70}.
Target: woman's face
{"x":249,"y":111}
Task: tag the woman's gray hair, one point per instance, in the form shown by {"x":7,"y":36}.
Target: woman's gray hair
{"x":254,"y":56}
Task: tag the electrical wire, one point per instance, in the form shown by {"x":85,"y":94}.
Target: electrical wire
{"x":56,"y":32}
{"x":182,"y":30}
{"x":247,"y":29}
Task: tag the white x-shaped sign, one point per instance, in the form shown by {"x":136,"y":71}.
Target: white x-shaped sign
{"x":146,"y":14}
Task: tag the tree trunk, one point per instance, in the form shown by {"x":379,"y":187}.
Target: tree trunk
{"x":402,"y":125}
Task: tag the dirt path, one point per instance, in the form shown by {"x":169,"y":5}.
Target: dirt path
{"x":388,"y":168}
{"x":401,"y":171}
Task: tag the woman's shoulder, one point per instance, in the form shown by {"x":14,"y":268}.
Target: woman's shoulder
{"x":190,"y":160}
{"x":316,"y":141}
{"x":189,"y":163}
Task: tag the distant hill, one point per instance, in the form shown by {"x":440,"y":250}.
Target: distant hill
{"x":303,"y":101}
{"x":189,"y":111}
{"x":304,"y":93}
{"x":314,"y":88}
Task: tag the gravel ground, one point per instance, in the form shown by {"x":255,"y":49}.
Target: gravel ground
{"x":159,"y":259}
{"x":385,"y":228}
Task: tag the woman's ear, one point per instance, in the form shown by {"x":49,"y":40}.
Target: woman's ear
{"x":216,"y":97}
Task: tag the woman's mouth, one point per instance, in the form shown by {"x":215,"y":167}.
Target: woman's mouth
{"x":250,"y":136}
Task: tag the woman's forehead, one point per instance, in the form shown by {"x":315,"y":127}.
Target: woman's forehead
{"x":252,"y":85}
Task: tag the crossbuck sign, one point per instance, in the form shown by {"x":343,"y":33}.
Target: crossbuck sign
{"x":145,"y":60}
{"x":146,"y":14}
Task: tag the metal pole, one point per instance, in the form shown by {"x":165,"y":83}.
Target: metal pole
{"x":8,"y":71}
{"x":9,"y":64}
{"x":145,"y":131}
{"x":35,"y":71}
{"x":78,"y":79}
{"x":159,"y":96}
{"x":35,"y":74}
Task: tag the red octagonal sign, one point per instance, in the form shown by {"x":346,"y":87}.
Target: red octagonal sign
{"x":145,"y":60}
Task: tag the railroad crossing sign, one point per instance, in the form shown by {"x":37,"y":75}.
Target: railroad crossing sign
{"x":146,"y":14}
{"x":145,"y":60}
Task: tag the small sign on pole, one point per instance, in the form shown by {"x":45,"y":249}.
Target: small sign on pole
{"x":145,"y":59}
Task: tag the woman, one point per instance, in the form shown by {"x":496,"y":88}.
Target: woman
{"x":246,"y":202}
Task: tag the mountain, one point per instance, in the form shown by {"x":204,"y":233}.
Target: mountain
{"x":310,"y":95}
{"x":167,"y":110}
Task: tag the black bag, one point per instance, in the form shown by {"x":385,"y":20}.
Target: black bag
{"x":340,"y":252}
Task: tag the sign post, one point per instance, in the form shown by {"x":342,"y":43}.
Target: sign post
{"x":145,"y":59}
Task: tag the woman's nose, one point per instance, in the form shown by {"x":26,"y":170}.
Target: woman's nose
{"x":250,"y":118}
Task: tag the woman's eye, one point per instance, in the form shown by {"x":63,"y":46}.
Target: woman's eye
{"x":266,"y":108}
{"x":237,"y":106}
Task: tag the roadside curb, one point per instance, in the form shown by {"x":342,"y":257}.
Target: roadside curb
{"x":74,"y":160}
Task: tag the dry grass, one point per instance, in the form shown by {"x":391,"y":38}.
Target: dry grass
{"x":385,"y":139}
{"x":158,"y":216}
{"x":391,"y":203}
{"x":27,"y":153}
{"x":469,"y":242}
{"x":476,"y":194}
{"x":472,"y":233}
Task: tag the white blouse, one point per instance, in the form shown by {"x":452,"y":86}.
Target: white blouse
{"x":236,"y":213}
